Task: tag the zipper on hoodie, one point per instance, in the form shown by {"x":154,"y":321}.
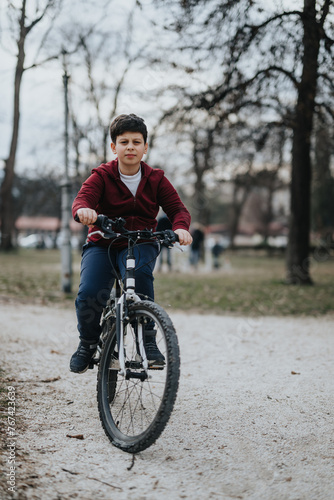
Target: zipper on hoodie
{"x":133,"y":217}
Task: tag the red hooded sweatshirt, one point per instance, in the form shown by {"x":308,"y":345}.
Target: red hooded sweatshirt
{"x":105,"y":192}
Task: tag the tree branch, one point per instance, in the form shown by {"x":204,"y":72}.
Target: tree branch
{"x":217,"y":95}
{"x":257,"y":27}
{"x":328,"y":79}
{"x":36,"y":65}
{"x":39,"y":18}
{"x":325,"y":11}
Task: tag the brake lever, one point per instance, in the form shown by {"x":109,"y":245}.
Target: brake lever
{"x":178,"y":246}
{"x":171,"y":239}
{"x":106,"y":225}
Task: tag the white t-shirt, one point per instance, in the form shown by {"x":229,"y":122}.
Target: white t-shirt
{"x":131,"y":181}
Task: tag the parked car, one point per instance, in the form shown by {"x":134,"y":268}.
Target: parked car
{"x":36,"y":241}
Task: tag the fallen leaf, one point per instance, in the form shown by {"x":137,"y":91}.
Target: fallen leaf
{"x":295,"y":373}
{"x":47,"y":380}
{"x":155,"y":484}
{"x":75,"y":436}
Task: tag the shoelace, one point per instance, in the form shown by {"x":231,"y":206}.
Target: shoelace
{"x":151,"y":345}
{"x":83,"y":351}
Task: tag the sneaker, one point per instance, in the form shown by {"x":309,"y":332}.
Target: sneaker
{"x":82,"y":357}
{"x":154,"y":356}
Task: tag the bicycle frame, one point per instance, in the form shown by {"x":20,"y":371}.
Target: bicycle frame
{"x":128,"y":295}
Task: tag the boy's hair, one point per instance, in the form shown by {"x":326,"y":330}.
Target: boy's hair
{"x":127,"y":123}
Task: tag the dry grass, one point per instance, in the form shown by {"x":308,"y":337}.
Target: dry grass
{"x":250,"y":285}
{"x":34,"y":276}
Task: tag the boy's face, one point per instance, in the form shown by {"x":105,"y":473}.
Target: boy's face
{"x":130,"y":148}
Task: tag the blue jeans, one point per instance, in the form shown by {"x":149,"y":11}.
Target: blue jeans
{"x":97,"y":279}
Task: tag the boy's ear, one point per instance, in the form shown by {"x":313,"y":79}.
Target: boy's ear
{"x":146,"y":148}
{"x":113,"y":148}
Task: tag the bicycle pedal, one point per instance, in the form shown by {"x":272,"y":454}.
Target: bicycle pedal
{"x":156,"y":367}
{"x":93,"y":362}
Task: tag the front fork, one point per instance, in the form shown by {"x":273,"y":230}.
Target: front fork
{"x":123,"y":318}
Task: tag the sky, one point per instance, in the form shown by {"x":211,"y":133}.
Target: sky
{"x":41,"y":144}
{"x":42,"y":97}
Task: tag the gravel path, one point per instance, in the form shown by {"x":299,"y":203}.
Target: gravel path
{"x":253,"y":417}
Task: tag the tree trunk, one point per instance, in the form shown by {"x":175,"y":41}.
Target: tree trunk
{"x":269,"y":214}
{"x":298,"y":269}
{"x":6,"y":208}
{"x":240,"y":195}
{"x":105,"y":139}
{"x":322,"y":207}
{"x":200,"y":202}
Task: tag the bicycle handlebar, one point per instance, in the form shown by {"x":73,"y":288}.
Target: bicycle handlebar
{"x":113,"y":229}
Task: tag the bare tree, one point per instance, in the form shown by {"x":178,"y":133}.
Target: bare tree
{"x":25,"y":26}
{"x":275,"y":62}
{"x":298,"y":268}
{"x":103,"y":87}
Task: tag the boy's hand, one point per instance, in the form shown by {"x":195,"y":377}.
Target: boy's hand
{"x":185,"y":237}
{"x":87,"y":216}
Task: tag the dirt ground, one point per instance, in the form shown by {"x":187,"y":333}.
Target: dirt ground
{"x":253,"y":417}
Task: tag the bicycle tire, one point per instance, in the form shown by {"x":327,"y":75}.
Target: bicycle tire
{"x":135,"y":412}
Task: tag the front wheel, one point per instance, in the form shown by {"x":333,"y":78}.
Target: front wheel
{"x":134,"y":412}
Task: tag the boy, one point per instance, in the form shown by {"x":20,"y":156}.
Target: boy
{"x":125,"y":187}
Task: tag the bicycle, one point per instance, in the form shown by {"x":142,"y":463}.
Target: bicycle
{"x":135,"y":398}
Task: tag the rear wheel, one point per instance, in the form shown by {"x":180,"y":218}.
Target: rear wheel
{"x":134,"y":412}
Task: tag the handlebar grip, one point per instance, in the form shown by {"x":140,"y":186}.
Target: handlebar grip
{"x":101,"y":221}
{"x":171,"y":236}
{"x":109,"y":226}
